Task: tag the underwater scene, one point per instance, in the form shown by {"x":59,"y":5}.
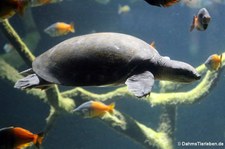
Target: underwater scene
{"x":112,"y":74}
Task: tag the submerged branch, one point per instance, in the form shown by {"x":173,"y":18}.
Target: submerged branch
{"x":31,"y":39}
{"x":17,"y":42}
{"x":53,"y":115}
{"x":168,"y":120}
{"x":138,"y":132}
{"x":86,"y":95}
{"x":59,"y":103}
{"x":10,"y":74}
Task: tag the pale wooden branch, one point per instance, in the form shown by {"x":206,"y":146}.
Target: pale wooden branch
{"x":17,"y":42}
{"x":138,"y":132}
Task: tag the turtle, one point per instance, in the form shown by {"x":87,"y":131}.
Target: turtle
{"x":103,"y":59}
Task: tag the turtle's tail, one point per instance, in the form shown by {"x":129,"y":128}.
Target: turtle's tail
{"x":32,"y":81}
{"x":27,"y":72}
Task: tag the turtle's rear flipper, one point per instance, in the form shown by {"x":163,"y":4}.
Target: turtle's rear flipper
{"x":141,"y":84}
{"x":31,"y":81}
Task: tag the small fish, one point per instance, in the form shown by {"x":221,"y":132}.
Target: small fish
{"x":214,"y":62}
{"x":10,"y":7}
{"x":59,"y":29}
{"x":35,"y":3}
{"x":92,"y":109}
{"x":162,"y":3}
{"x":123,"y":9}
{"x":201,"y":21}
{"x":152,"y":44}
{"x":8,"y":47}
{"x":18,"y":138}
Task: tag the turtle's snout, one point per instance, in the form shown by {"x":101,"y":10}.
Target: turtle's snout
{"x":193,"y":74}
{"x":197,"y":76}
{"x":188,"y":74}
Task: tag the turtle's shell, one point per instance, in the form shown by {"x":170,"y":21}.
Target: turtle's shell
{"x":94,"y":59}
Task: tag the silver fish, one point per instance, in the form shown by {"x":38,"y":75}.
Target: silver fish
{"x":201,"y":20}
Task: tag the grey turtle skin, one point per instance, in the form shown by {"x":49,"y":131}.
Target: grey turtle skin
{"x":105,"y":59}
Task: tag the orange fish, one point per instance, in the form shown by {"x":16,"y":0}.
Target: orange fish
{"x":59,"y":29}
{"x":17,"y":138}
{"x":201,"y":20}
{"x":9,"y":7}
{"x":162,"y":3}
{"x":92,"y":109}
{"x":152,"y":44}
{"x":214,"y":62}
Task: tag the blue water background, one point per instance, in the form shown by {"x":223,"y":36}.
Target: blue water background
{"x":168,"y":27}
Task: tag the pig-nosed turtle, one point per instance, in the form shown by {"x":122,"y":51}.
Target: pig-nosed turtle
{"x":105,"y":59}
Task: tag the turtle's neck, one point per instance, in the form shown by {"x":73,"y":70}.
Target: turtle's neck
{"x":176,"y":71}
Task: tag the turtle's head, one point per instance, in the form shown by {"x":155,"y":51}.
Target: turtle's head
{"x":177,"y":71}
{"x":184,"y":72}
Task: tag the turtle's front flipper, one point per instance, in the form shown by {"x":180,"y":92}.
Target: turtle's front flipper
{"x":141,"y":84}
{"x":31,"y":81}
